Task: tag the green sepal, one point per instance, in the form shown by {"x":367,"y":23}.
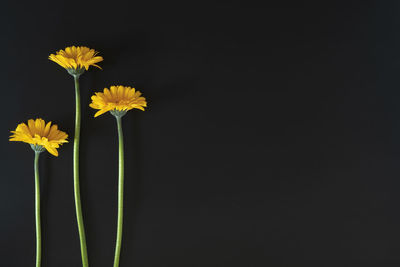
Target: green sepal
{"x":38,"y":148}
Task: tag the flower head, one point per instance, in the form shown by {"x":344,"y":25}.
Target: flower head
{"x":76,"y":59}
{"x":40,"y":135}
{"x":118,"y":98}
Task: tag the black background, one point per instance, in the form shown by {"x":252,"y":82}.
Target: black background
{"x":272,"y":136}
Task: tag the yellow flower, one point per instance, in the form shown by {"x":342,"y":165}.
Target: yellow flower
{"x":118,"y":98}
{"x":76,"y":58}
{"x":38,"y":133}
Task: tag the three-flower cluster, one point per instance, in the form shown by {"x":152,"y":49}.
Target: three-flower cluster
{"x":43,"y":136}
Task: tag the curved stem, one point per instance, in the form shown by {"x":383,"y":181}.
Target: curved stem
{"x":37,"y":211}
{"x":77,"y":193}
{"x":120,"y":192}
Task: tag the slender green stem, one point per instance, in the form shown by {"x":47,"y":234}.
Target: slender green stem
{"x":77,"y":193}
{"x":37,"y":212}
{"x":120,"y":192}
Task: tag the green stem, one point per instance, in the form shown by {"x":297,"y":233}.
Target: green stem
{"x":120,"y":192}
{"x":77,"y":193}
{"x":37,"y":211}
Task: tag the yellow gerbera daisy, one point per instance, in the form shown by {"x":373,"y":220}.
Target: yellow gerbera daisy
{"x":75,"y":58}
{"x":118,"y":98}
{"x":40,"y":135}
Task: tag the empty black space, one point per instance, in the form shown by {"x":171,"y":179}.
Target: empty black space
{"x":271,"y":137}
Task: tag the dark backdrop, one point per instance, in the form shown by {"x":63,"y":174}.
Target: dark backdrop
{"x":272,"y":136}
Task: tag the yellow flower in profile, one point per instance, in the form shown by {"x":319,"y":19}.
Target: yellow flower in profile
{"x":76,"y":58}
{"x":118,"y":99}
{"x":40,"y":135}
